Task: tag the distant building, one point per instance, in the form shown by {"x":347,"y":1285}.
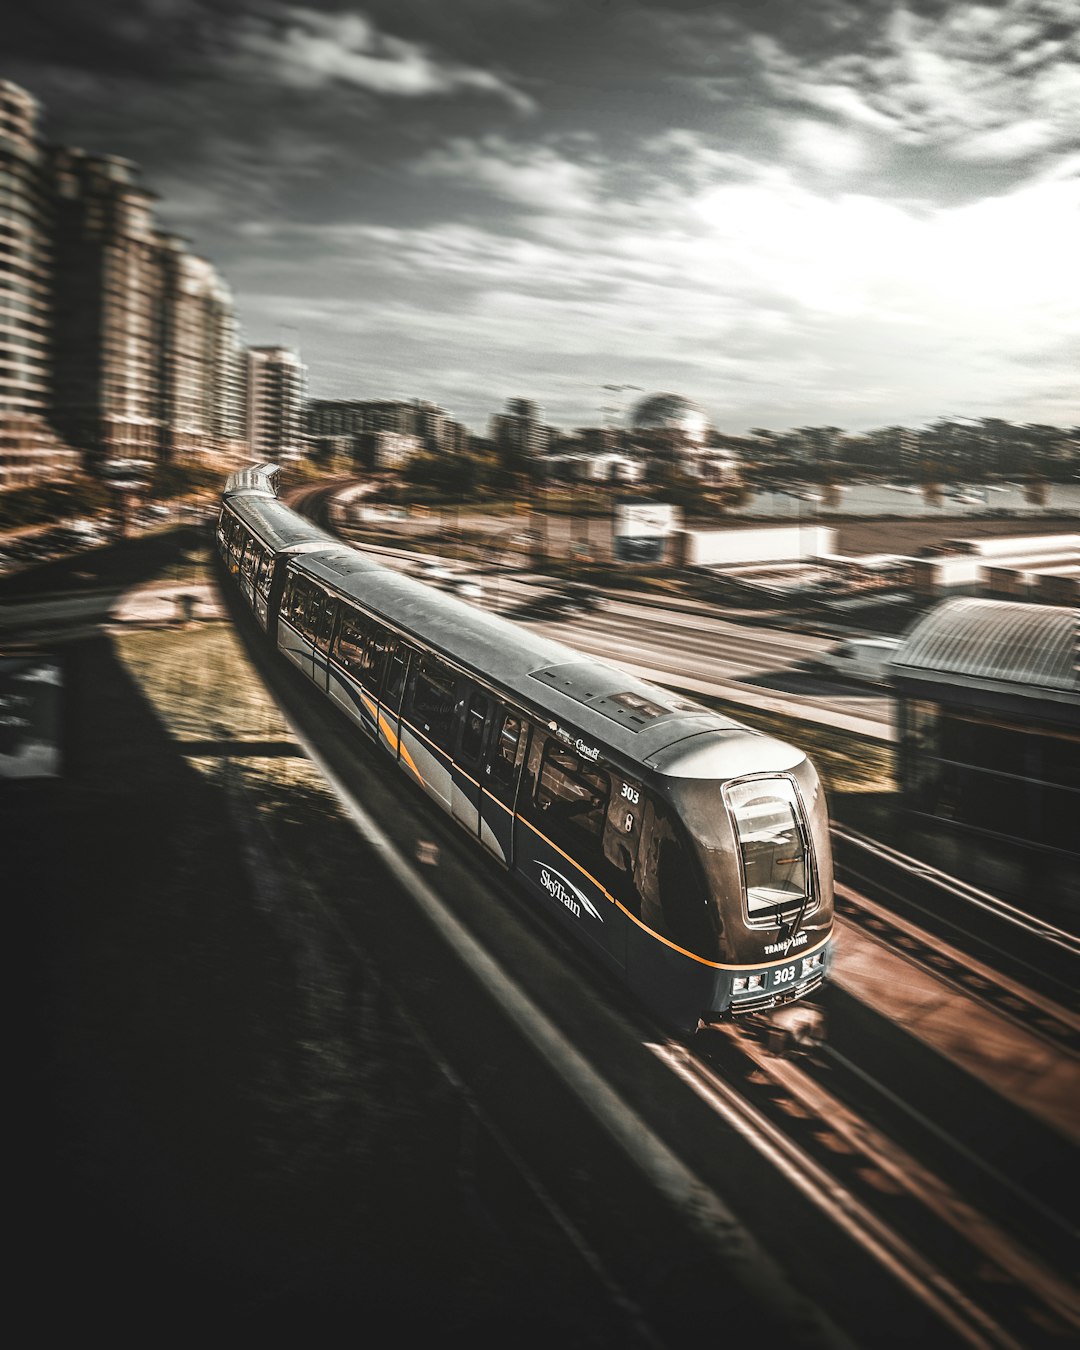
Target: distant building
{"x":518,"y":433}
{"x":276,"y":381}
{"x":602,"y":467}
{"x":359,"y":423}
{"x":387,"y":450}
{"x":30,"y":450}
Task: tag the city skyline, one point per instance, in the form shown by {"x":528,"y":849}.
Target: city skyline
{"x":792,"y":215}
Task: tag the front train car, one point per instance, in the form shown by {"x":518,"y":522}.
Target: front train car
{"x":748,"y":853}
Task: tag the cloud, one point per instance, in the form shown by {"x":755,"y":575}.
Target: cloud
{"x":532,"y":176}
{"x":988,"y":83}
{"x":824,"y":146}
{"x":736,"y":288}
{"x":1017,"y":140}
{"x":307,"y":49}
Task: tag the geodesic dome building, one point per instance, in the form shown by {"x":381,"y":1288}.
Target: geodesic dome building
{"x":673,"y":414}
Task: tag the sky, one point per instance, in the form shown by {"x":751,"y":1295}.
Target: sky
{"x":797,"y":213}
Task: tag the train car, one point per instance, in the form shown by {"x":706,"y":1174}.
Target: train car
{"x":688,"y":852}
{"x":257,"y":533}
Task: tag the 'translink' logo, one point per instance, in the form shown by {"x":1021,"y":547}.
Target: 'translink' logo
{"x":797,"y":941}
{"x":566,"y":893}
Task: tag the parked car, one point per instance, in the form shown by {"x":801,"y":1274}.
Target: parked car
{"x":435,"y":571}
{"x":582,"y":598}
{"x":864,"y":659}
{"x":468,"y":588}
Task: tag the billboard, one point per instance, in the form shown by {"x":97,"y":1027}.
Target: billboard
{"x":641,"y":530}
{"x":30,"y":725}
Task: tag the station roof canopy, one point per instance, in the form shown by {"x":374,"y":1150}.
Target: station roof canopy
{"x":1011,"y":646}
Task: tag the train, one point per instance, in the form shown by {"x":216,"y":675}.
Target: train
{"x":688,"y":853}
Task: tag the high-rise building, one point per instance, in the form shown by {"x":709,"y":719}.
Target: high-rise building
{"x":187,"y":390}
{"x":227,"y":362}
{"x":518,"y":432}
{"x":276,"y":381}
{"x":29,"y":448}
{"x":202,"y":389}
{"x":109,"y":314}
{"x":112,"y":333}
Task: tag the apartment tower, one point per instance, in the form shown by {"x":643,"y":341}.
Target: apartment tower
{"x":29,"y":449}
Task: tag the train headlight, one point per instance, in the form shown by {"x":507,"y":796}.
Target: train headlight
{"x":755,"y":982}
{"x":811,"y":963}
{"x":738,"y":984}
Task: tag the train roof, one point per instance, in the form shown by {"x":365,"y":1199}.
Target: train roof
{"x":595,"y":699}
{"x":276,"y":524}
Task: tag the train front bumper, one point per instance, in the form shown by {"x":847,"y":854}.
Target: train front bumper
{"x":781,"y":982}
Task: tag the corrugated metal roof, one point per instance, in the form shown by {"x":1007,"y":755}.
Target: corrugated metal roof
{"x":998,"y":640}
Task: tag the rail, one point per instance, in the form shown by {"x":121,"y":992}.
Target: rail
{"x":999,"y":932}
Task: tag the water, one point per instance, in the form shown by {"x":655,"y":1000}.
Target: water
{"x":875,"y":499}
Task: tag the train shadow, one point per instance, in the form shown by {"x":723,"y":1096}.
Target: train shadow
{"x":114,"y":566}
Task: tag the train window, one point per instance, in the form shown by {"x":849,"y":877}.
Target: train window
{"x":472,"y":730}
{"x":326,"y":623}
{"x":250,"y":558}
{"x":675,"y":901}
{"x":352,"y":643}
{"x":292,"y":605}
{"x":502,"y":757}
{"x":266,"y":571}
{"x":394,"y":676}
{"x":772,"y":845}
{"x":379,"y":643}
{"x":572,"y":796}
{"x":430,"y":705}
{"x":309,"y":617}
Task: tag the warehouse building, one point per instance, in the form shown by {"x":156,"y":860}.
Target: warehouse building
{"x":988,"y":712}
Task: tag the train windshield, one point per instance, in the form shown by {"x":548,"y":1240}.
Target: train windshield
{"x":772,"y":842}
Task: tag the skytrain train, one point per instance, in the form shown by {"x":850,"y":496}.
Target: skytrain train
{"x":688,"y":853}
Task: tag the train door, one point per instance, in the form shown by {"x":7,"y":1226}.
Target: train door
{"x":262,"y":587}
{"x":292,"y":629}
{"x":428,"y":724}
{"x":309,"y":626}
{"x":499,"y":777}
{"x":392,"y":682}
{"x":622,"y":839}
{"x":324,"y":632}
{"x":475,"y":707}
{"x":249,"y":565}
{"x":562,"y":808}
{"x":277,"y":593}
